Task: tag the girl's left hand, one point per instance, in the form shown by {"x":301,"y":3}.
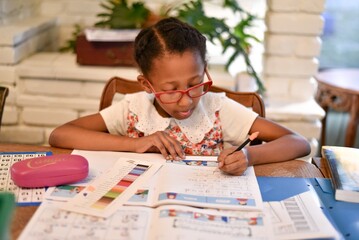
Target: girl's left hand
{"x":233,"y":163}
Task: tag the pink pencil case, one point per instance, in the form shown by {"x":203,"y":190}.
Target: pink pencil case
{"x":49,"y":171}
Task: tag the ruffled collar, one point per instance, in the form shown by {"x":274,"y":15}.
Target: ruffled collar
{"x":195,"y":127}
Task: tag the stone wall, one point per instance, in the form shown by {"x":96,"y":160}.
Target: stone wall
{"x":292,"y":45}
{"x":15,"y":10}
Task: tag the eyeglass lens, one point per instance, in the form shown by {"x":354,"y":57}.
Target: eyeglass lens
{"x":194,"y":92}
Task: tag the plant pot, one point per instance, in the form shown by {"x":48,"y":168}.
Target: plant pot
{"x":104,"y":53}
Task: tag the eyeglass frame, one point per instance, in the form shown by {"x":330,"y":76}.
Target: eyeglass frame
{"x":183,"y":92}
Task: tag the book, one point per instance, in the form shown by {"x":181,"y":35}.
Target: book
{"x":197,"y":181}
{"x":111,"y":35}
{"x":343,"y":163}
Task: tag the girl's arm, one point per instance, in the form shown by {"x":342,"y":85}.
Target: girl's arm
{"x":90,"y":133}
{"x":281,"y":144}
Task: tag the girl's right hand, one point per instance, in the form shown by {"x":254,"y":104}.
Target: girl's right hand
{"x":161,"y":142}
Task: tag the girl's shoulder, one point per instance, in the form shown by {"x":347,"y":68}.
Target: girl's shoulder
{"x":130,"y":100}
{"x":137,"y":96}
{"x":218,"y":100}
{"x":214,"y":98}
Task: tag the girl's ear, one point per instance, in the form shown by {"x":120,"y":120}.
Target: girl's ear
{"x":144,"y":83}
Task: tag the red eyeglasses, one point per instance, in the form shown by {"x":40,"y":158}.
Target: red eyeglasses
{"x":174,"y":96}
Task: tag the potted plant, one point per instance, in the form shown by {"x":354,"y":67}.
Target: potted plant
{"x":120,"y":14}
{"x":218,"y":31}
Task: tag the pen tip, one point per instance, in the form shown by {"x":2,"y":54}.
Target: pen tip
{"x":253,"y":136}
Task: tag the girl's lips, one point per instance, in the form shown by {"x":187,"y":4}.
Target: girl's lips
{"x":186,"y":113}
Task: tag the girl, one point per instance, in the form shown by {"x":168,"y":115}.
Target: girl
{"x":175,"y":114}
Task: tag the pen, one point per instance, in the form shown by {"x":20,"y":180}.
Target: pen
{"x":248,"y":140}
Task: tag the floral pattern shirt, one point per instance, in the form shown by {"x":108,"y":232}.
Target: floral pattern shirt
{"x":216,"y":123}
{"x":211,"y":144}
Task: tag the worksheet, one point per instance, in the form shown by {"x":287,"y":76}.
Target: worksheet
{"x":136,"y":222}
{"x":298,"y":217}
{"x":198,"y":182}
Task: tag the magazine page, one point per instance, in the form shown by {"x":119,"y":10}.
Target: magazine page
{"x":183,"y":222}
{"x":52,"y":222}
{"x":199,"y":182}
{"x":300,"y":217}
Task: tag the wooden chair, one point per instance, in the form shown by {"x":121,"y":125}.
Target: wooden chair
{"x":4,"y":92}
{"x":120,"y":85}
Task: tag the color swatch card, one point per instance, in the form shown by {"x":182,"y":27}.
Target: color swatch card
{"x":23,"y":196}
{"x":108,"y":192}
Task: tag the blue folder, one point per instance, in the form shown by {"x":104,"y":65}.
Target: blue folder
{"x":343,"y":215}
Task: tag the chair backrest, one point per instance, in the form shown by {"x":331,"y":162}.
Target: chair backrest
{"x":123,"y":86}
{"x":4,"y":91}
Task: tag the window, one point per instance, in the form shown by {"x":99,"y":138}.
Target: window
{"x":340,"y":38}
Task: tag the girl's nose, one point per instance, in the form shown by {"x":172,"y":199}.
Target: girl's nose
{"x":185,"y":100}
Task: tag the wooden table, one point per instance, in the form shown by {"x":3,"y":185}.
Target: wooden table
{"x":293,"y":168}
{"x":322,"y":165}
{"x":338,"y":89}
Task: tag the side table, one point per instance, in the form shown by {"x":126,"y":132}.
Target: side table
{"x":338,"y":89}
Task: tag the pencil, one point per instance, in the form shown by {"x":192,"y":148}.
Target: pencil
{"x":248,"y":140}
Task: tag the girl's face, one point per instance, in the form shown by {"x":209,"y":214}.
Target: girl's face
{"x":175,"y":72}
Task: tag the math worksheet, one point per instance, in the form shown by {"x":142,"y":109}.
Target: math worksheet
{"x":23,"y":196}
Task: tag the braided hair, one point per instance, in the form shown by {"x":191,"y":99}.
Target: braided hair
{"x":169,"y":35}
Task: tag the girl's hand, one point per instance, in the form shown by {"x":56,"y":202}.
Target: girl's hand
{"x":161,"y":142}
{"x":233,"y":163}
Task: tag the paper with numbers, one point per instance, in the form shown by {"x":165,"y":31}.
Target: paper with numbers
{"x":197,"y":181}
{"x":134,"y":222}
{"x":105,"y":194}
{"x":23,"y":196}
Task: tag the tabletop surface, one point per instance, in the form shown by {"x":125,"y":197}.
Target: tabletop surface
{"x":345,"y":79}
{"x":293,"y":168}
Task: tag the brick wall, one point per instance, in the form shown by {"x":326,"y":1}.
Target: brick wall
{"x":292,"y":45}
